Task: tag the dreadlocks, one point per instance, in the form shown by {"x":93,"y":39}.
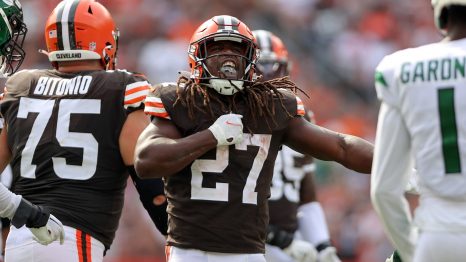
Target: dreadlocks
{"x":257,"y":97}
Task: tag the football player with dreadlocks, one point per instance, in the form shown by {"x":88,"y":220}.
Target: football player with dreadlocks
{"x":293,"y":206}
{"x":214,"y":138}
{"x":422,"y":123}
{"x":44,"y":227}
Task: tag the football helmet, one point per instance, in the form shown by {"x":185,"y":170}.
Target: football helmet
{"x":12,"y":33}
{"x":81,"y":30}
{"x":273,"y":61}
{"x":222,"y":28}
{"x":438,"y":6}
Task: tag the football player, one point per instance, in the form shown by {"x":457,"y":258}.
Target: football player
{"x":72,"y":132}
{"x":44,"y":226}
{"x":293,"y":191}
{"x":214,"y":138}
{"x":422,"y":123}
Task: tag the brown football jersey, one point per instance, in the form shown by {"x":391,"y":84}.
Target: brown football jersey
{"x":63,"y":131}
{"x":219,"y":202}
{"x":290,"y":169}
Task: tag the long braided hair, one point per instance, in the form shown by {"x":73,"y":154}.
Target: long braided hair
{"x":256,"y":96}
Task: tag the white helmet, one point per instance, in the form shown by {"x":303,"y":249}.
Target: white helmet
{"x":438,"y":6}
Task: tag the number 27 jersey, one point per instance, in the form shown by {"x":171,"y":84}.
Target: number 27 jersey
{"x":219,"y":202}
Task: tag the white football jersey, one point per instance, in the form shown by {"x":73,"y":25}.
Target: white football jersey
{"x":428,"y":86}
{"x":422,"y":118}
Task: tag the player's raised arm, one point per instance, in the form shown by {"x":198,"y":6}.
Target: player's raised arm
{"x":351,"y":151}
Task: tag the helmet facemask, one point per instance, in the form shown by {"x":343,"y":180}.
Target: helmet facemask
{"x":273,"y":62}
{"x":271,"y":68}
{"x":227,"y":71}
{"x":12,"y":52}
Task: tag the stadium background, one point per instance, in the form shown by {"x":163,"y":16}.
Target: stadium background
{"x":334,"y":45}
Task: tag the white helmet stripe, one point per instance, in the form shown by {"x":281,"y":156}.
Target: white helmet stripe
{"x":66,"y":22}
{"x":5,"y":19}
{"x":227,"y":22}
{"x":264,"y":41}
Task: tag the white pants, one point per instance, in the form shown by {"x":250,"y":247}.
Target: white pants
{"x":276,"y":254}
{"x":440,"y":247}
{"x":176,"y":254}
{"x":78,"y":247}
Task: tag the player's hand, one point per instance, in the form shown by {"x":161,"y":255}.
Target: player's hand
{"x":301,"y":251}
{"x":52,"y":231}
{"x":328,"y":254}
{"x":228,"y":129}
{"x":395,"y":257}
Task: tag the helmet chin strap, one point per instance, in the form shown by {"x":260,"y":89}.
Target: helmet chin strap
{"x":226,"y":86}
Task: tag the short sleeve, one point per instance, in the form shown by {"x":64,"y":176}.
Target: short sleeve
{"x":136,"y":91}
{"x":154,"y":105}
{"x":300,"y":111}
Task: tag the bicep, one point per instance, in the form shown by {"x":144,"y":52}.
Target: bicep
{"x":135,"y":123}
{"x":313,"y":140}
{"x":160,"y":128}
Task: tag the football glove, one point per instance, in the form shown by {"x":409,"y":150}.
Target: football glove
{"x":329,"y":254}
{"x":301,"y":251}
{"x":228,"y":129}
{"x":45,"y":227}
{"x":52,"y":231}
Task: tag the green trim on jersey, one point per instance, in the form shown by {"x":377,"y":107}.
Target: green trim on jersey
{"x":380,"y":79}
{"x":446,"y":106}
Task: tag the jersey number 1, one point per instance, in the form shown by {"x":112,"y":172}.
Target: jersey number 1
{"x":446,"y":106}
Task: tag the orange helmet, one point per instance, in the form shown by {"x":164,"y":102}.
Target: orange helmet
{"x":273,"y":61}
{"x":81,"y":30}
{"x":221,"y":28}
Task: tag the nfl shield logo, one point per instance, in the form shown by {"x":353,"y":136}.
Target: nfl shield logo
{"x":92,"y":46}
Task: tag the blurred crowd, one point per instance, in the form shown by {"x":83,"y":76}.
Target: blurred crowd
{"x":335,"y":46}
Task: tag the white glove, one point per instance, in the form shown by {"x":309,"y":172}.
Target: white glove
{"x":227,"y":129}
{"x":52,"y":231}
{"x":328,"y":254}
{"x":301,"y":251}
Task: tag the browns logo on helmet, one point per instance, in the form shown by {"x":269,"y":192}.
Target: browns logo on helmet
{"x":81,"y":30}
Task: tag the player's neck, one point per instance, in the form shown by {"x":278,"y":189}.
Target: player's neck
{"x":455,"y":31}
{"x":76,"y":66}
